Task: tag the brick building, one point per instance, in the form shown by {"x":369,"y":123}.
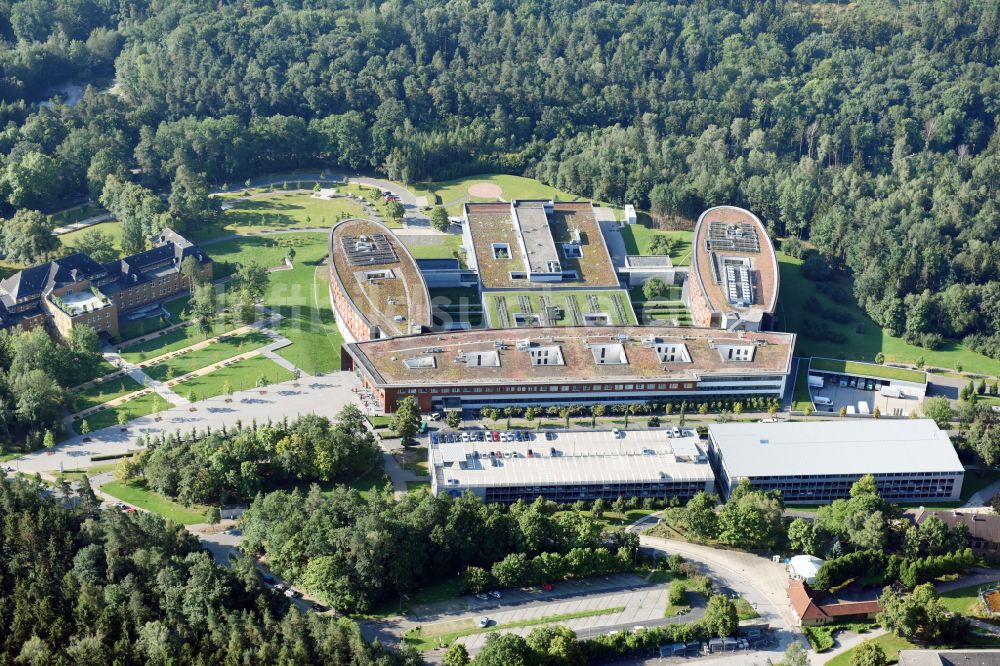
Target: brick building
{"x":76,"y":290}
{"x":570,"y":365}
{"x":733,"y":280}
{"x":376,"y":289}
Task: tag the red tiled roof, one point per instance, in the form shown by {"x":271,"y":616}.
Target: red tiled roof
{"x":802,"y":602}
{"x":807,"y":609}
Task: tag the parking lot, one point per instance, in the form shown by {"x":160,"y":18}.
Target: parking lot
{"x":858,"y":395}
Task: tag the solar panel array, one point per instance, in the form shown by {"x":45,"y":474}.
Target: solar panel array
{"x":738,"y":287}
{"x":735,"y":237}
{"x":369,"y":250}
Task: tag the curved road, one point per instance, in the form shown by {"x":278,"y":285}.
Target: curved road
{"x":759,"y":580}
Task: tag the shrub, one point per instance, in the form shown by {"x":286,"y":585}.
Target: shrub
{"x":677,"y":596}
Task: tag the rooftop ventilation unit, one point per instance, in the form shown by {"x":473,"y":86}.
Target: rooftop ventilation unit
{"x":648,"y":340}
{"x":523,"y":345}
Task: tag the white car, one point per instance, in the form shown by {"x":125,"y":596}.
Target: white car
{"x":484,"y":622}
{"x":637,"y":628}
{"x":494,"y":594}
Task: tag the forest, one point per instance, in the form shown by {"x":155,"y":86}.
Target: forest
{"x":234,"y":465}
{"x":89,"y":586}
{"x":867,"y":129}
{"x":356,"y":552}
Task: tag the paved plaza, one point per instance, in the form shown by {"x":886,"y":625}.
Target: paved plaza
{"x":324,"y":395}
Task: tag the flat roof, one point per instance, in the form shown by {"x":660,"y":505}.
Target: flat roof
{"x":582,"y":457}
{"x":699,"y":351}
{"x":543,"y":232}
{"x":379,"y":275}
{"x":877,"y":446}
{"x":712,"y":247}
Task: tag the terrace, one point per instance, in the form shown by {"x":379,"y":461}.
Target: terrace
{"x":564,"y":307}
{"x":642,"y":347}
{"x":76,"y":303}
{"x":379,"y":276}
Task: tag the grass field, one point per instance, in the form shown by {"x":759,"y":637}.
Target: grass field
{"x":77,"y":474}
{"x":136,"y":494}
{"x":891,"y":645}
{"x":142,"y":405}
{"x":868,"y":370}
{"x":279,"y":210}
{"x":965,"y":600}
{"x":575,"y":304}
{"x":75,"y":214}
{"x":372,"y":196}
{"x":215,"y":352}
{"x":453,"y":193}
{"x":171,"y":341}
{"x":441,"y":247}
{"x":800,"y":397}
{"x":102,"y":393}
{"x":241,"y":375}
{"x":265,"y":250}
{"x":863,"y":337}
{"x":637,"y":238}
{"x":302,"y":297}
{"x":444,"y":633}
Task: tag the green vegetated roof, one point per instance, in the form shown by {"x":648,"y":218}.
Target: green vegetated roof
{"x":867,"y":370}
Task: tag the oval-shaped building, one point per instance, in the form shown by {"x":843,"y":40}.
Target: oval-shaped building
{"x":733,"y":281}
{"x":376,"y":289}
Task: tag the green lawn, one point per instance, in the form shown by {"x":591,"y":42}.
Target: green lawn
{"x":77,"y":474}
{"x":102,"y":393}
{"x":868,"y":370}
{"x":240,"y":375}
{"x":99,"y":369}
{"x":800,"y":396}
{"x":891,"y":645}
{"x":142,"y":405}
{"x":265,"y":250}
{"x":111,"y":228}
{"x":442,"y":247}
{"x":171,"y":341}
{"x":637,"y":238}
{"x":75,"y":214}
{"x":414,"y":486}
{"x":574,"y":305}
{"x":302,"y":297}
{"x":863,"y":337}
{"x":444,"y":633}
{"x":279,"y":210}
{"x":453,"y":193}
{"x":136,"y":494}
{"x":215,"y":352}
{"x":965,"y":600}
{"x":372,"y":196}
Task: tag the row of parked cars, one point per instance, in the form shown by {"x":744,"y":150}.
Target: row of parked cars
{"x":485,"y":436}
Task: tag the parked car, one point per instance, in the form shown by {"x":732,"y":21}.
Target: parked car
{"x":547,"y":587}
{"x":484,"y":622}
{"x":495,"y":594}
{"x":319,"y":608}
{"x":482,"y":596}
{"x":268,"y":580}
{"x":435,"y":416}
{"x":496,"y":436}
{"x":292,"y":593}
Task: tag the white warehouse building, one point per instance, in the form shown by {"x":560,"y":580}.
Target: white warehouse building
{"x":818,"y":461}
{"x":576,"y":465}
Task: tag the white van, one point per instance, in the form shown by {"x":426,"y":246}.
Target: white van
{"x":823,"y":400}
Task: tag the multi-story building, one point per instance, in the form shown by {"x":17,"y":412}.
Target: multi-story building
{"x":376,"y":288}
{"x":570,"y":365}
{"x":77,"y":290}
{"x":733,"y":281}
{"x":570,"y":466}
{"x":819,"y":461}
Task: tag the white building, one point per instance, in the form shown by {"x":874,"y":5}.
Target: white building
{"x":572,"y":465}
{"x":811,"y":462}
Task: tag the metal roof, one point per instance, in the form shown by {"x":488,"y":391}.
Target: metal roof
{"x":834,"y":447}
{"x":582,"y":457}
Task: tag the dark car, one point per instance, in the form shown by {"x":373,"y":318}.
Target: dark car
{"x":268,"y":580}
{"x":319,"y":608}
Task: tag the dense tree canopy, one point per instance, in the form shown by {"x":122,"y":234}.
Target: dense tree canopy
{"x":84,"y":586}
{"x":871,"y":132}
